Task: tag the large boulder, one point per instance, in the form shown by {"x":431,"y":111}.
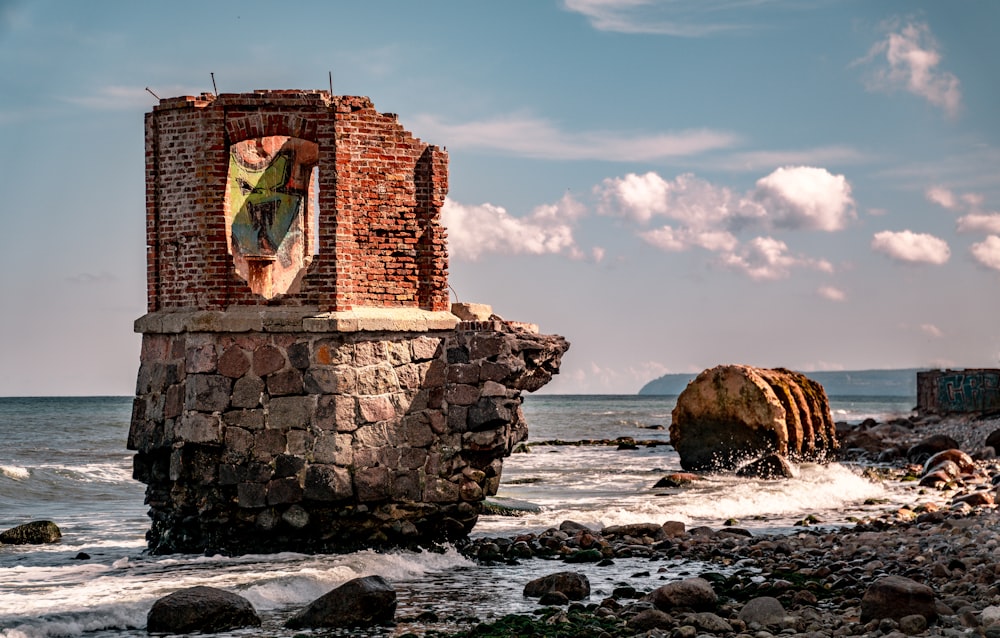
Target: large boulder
{"x":361,"y":602}
{"x":896,"y":597}
{"x":202,"y":609}
{"x":33,"y":533}
{"x":731,"y":415}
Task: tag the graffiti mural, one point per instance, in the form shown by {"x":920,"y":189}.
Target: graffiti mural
{"x":269,"y":195}
{"x":968,"y":391}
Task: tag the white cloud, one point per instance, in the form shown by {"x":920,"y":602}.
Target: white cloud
{"x":911,"y":247}
{"x":975,"y":220}
{"x":942,"y":197}
{"x":477,"y":230}
{"x":831,"y":293}
{"x":676,"y":240}
{"x":88,"y":278}
{"x":931,"y":330}
{"x":907,"y":58}
{"x":118,"y":98}
{"x":795,"y":197}
{"x":527,"y":136}
{"x":766,"y":258}
{"x":804,"y":197}
{"x":987,"y":252}
{"x":709,"y":216}
{"x":979,"y":223}
{"x":764,"y":160}
{"x":637,"y":197}
{"x":690,"y":18}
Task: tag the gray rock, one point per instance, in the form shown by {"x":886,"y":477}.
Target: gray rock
{"x":204,"y":609}
{"x":692,"y":593}
{"x":896,"y":597}
{"x":912,"y":624}
{"x":361,"y":602}
{"x":574,"y":585}
{"x":707,"y":621}
{"x":33,"y":533}
{"x":648,"y":619}
{"x":765,"y":611}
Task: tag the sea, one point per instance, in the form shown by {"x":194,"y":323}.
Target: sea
{"x":64,"y":459}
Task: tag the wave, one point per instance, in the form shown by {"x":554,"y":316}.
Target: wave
{"x":270,"y":582}
{"x":14,"y":472}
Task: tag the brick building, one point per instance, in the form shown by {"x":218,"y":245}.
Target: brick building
{"x":291,"y":198}
{"x":303,"y":384}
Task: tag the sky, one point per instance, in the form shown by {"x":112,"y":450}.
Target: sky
{"x":669,"y":184}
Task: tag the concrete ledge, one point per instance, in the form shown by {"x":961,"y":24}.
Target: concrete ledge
{"x":295,"y":320}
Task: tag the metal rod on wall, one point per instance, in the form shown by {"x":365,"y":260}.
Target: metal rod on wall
{"x":214,"y":88}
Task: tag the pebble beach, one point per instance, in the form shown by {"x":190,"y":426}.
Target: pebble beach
{"x":816,"y":581}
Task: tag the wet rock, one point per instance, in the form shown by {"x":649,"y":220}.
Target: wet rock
{"x":772,"y":466}
{"x":707,"y":621}
{"x":912,"y":624}
{"x":993,"y":440}
{"x":677,"y":479}
{"x":361,"y":602}
{"x":201,"y":609}
{"x":975,"y":499}
{"x":960,"y":459}
{"x":33,"y":533}
{"x":895,"y":597}
{"x":574,"y":585}
{"x":500,"y":506}
{"x":930,"y":446}
{"x":635,"y":530}
{"x":733,"y":413}
{"x":649,"y":619}
{"x":553,"y":598}
{"x":691,"y":593}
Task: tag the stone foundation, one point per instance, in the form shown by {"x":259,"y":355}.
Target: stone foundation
{"x":282,"y":430}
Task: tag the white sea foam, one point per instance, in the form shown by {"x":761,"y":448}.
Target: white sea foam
{"x":15,"y":472}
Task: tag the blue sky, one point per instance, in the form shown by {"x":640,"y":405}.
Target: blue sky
{"x":669,"y":184}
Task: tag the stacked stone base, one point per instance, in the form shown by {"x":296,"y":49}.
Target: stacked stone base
{"x":289,"y":438}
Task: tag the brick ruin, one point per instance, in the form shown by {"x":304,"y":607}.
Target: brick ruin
{"x":304,"y":384}
{"x":968,"y":391}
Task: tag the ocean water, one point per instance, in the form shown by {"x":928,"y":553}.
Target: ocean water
{"x":64,"y":459}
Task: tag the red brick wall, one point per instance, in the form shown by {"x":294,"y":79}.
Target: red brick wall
{"x":380,"y":197}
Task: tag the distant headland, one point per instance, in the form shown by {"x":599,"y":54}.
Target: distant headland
{"x":902,"y":382}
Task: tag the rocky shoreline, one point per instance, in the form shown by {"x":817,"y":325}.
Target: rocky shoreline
{"x":929,"y":568}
